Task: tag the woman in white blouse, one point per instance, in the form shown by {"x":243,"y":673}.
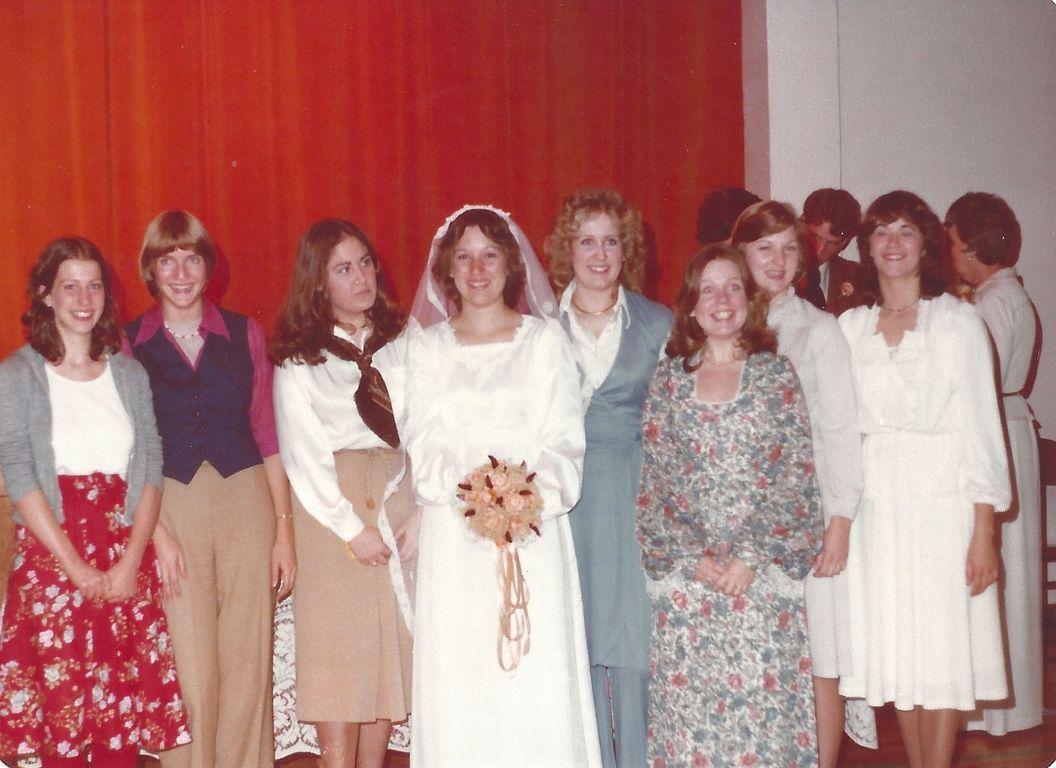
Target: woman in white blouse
{"x":984,"y":239}
{"x":925,"y":628}
{"x":339,"y":371}
{"x":772,"y":240}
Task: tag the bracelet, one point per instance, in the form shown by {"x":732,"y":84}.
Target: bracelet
{"x":349,"y":552}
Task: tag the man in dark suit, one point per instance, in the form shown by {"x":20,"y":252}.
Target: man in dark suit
{"x":832,"y":217}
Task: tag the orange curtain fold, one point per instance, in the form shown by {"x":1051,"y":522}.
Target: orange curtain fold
{"x":263,"y":117}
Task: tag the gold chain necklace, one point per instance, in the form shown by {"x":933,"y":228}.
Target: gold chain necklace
{"x":584,"y":312}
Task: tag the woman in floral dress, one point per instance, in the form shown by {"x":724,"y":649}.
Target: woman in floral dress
{"x":729,"y":519}
{"x":86,"y":668}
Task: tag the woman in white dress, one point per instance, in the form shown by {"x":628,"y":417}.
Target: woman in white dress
{"x":984,"y":241}
{"x":336,"y":339}
{"x":773,"y":242}
{"x":484,"y":379}
{"x":923,"y":561}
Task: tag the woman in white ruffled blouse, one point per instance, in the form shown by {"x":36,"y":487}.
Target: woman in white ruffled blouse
{"x":923,"y":560}
{"x":772,"y":240}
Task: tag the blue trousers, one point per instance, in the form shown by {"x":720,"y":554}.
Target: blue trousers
{"x":621,"y":696}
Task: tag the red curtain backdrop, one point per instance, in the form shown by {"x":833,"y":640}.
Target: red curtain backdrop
{"x":261,"y":117}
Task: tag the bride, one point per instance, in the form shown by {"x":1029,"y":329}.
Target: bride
{"x":484,"y":380}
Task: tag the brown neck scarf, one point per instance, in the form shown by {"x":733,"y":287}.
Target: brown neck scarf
{"x":372,"y":396}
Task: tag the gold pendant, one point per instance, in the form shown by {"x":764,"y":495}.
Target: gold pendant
{"x":371,"y":504}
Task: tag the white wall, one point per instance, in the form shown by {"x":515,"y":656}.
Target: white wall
{"x":940,"y":97}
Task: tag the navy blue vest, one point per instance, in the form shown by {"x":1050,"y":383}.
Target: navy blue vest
{"x":203,"y":414}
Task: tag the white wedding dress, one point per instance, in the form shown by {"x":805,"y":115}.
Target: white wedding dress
{"x":515,"y":400}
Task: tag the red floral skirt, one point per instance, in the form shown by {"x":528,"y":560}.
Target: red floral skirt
{"x":75,"y":673}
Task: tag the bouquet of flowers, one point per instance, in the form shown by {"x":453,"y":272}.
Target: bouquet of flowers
{"x":502,"y":505}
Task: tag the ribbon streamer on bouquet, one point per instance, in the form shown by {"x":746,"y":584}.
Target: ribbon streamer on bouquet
{"x":396,"y":574}
{"x":515,"y":628}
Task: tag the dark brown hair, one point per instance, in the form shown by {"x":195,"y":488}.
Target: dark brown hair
{"x":987,"y":227}
{"x":582,"y":205}
{"x":719,"y":210}
{"x":687,"y":337}
{"x":493,"y":227}
{"x":39,"y":319}
{"x":902,"y":205}
{"x":171,"y":231}
{"x":836,"y":206}
{"x":770,"y":218}
{"x":307,"y":321}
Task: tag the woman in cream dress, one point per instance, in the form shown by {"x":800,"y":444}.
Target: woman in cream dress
{"x":924,"y":616}
{"x":772,"y":240}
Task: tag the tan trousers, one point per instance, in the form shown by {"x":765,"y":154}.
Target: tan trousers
{"x":221,"y":624}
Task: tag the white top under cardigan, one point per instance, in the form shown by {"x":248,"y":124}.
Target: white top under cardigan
{"x":90,"y":430}
{"x":812,"y":340}
{"x":315,"y":415}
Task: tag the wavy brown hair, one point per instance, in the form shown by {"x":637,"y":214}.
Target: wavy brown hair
{"x":903,"y":205}
{"x":39,"y":319}
{"x":307,"y":321}
{"x":687,"y":337}
{"x":763,"y":219}
{"x":493,"y":227}
{"x":584,"y":204}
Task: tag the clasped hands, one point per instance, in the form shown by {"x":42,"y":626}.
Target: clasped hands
{"x":731,"y":579}
{"x":114,"y":585}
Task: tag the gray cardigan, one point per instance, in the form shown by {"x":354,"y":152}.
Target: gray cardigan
{"x":26,"y":454}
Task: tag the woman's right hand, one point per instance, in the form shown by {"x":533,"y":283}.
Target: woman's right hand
{"x":90,"y":582}
{"x":708,"y":571}
{"x":369,"y":548}
{"x":407,"y":535}
{"x":171,"y":564}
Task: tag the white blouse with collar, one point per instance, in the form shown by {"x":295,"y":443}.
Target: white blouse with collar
{"x":316,"y":416}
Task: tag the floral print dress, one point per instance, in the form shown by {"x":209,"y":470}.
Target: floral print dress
{"x":78,"y":675}
{"x":731,"y":676}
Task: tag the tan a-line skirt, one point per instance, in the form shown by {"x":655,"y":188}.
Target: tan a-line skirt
{"x":353,"y":651}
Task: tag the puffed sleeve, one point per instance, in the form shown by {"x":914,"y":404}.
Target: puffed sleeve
{"x":436,"y":466}
{"x":834,"y":417}
{"x":307,"y":455}
{"x":984,"y":468}
{"x":785,"y":529}
{"x":562,"y":442}
{"x":659,"y":528}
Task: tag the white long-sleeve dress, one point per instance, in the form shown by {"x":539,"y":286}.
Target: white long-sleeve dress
{"x":1009,"y":315}
{"x":932,"y":446}
{"x":515,"y":400}
{"x":812,"y":340}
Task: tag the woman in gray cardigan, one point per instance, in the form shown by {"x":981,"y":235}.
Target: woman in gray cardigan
{"x":597,"y":263}
{"x":86,"y":671}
